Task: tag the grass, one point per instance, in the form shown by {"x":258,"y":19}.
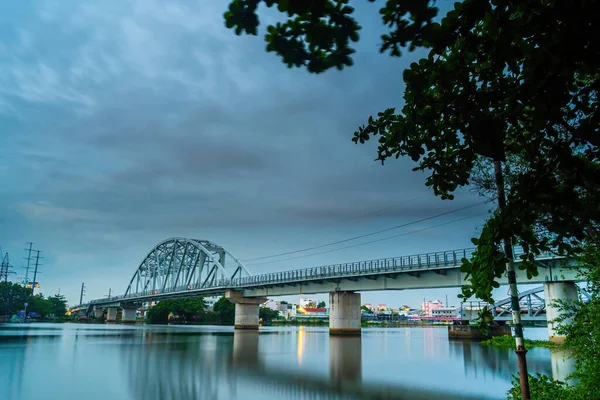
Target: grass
{"x":509,"y":342}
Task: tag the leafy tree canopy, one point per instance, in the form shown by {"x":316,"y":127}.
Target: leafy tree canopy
{"x":225,"y":310}
{"x":267,"y":314}
{"x":13,"y":297}
{"x":185,"y":309}
{"x":500,"y":80}
{"x":321,"y":304}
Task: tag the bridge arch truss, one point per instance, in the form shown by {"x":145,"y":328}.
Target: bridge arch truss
{"x":184,"y":264}
{"x":532,"y":302}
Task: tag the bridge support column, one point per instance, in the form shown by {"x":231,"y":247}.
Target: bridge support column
{"x":561,"y":290}
{"x":98,"y":312}
{"x":344,"y":313}
{"x":128,"y":315}
{"x":246,"y":309}
{"x":111,"y":314}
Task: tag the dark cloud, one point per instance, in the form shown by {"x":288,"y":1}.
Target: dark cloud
{"x":140,"y":120}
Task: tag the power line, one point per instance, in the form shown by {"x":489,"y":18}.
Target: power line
{"x":370,"y":242}
{"x":348,"y":219}
{"x":369,"y":234}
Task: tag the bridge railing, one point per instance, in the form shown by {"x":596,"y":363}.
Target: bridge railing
{"x":404,"y":263}
{"x":396,"y":264}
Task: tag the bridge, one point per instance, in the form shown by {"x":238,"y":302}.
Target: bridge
{"x":184,"y":268}
{"x":532,"y":302}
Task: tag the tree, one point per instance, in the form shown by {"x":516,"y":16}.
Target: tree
{"x":159,"y":313}
{"x":267,"y":314}
{"x":365,"y":309}
{"x":500,"y":79}
{"x":579,"y":323}
{"x":321,"y":304}
{"x":38,"y":304}
{"x":225,"y":310}
{"x":13,"y":297}
{"x":187,"y":310}
{"x":58,"y":305}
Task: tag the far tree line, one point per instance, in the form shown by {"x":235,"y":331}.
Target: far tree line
{"x":194,"y":311}
{"x":14,"y":296}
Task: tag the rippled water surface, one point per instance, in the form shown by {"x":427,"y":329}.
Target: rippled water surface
{"x":98,"y":362}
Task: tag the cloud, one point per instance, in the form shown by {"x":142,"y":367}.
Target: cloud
{"x":126,"y":122}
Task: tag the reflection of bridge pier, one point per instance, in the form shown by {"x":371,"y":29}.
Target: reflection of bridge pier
{"x":345,"y":360}
{"x":245,"y":349}
{"x":563,"y":364}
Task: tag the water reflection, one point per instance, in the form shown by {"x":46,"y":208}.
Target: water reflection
{"x":345,"y":360}
{"x":230,"y":365}
{"x":562,"y":365}
{"x":130,"y":363}
{"x":483,"y":360}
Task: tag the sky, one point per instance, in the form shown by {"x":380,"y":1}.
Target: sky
{"x":123,"y":123}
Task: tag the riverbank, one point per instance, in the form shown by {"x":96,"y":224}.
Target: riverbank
{"x":508,"y":342}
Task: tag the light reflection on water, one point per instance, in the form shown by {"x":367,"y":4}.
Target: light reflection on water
{"x":93,"y":362}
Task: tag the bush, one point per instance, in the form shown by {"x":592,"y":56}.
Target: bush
{"x":542,"y":387}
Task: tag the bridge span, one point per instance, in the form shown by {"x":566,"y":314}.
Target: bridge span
{"x":184,"y":268}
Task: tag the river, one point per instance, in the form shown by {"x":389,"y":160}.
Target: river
{"x":119,"y":362}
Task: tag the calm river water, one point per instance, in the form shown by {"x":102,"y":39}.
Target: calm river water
{"x":116,"y":362}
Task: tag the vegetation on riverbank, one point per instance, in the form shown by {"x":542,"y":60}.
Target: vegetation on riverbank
{"x":509,"y":342}
{"x":579,"y":324}
{"x":192,"y":311}
{"x":14,"y":296}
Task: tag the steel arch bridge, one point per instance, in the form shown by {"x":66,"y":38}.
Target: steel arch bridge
{"x":184,"y":264}
{"x":535,"y":304}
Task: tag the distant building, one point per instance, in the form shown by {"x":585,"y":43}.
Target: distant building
{"x":307,"y":303}
{"x":445,"y":312}
{"x":428,"y":306}
{"x":209,"y":302}
{"x":312,"y":313}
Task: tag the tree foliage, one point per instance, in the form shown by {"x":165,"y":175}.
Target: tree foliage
{"x":579,"y":322}
{"x":186,"y":310}
{"x":267,"y":315}
{"x":225,"y":311}
{"x":13,"y":297}
{"x":501,"y":79}
{"x":321,"y":304}
{"x":545,"y":388}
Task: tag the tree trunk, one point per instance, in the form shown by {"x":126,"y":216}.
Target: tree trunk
{"x":514,"y":294}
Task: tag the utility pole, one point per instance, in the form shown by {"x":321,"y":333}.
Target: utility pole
{"x":446,"y":301}
{"x":512,"y":283}
{"x":5,"y":267}
{"x":27,"y":267}
{"x":35,"y":271}
{"x":82,"y":292}
{"x":109,"y":292}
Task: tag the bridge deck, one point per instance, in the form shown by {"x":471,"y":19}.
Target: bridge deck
{"x":433,"y":270}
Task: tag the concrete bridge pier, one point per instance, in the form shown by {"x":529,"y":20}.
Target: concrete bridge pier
{"x":246,"y":309}
{"x":344,"y":313}
{"x":557,"y":290}
{"x":111,"y":314}
{"x":98,"y":312}
{"x":128,"y":315}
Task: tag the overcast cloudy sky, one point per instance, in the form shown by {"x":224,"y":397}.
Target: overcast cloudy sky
{"x":127,"y":122}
